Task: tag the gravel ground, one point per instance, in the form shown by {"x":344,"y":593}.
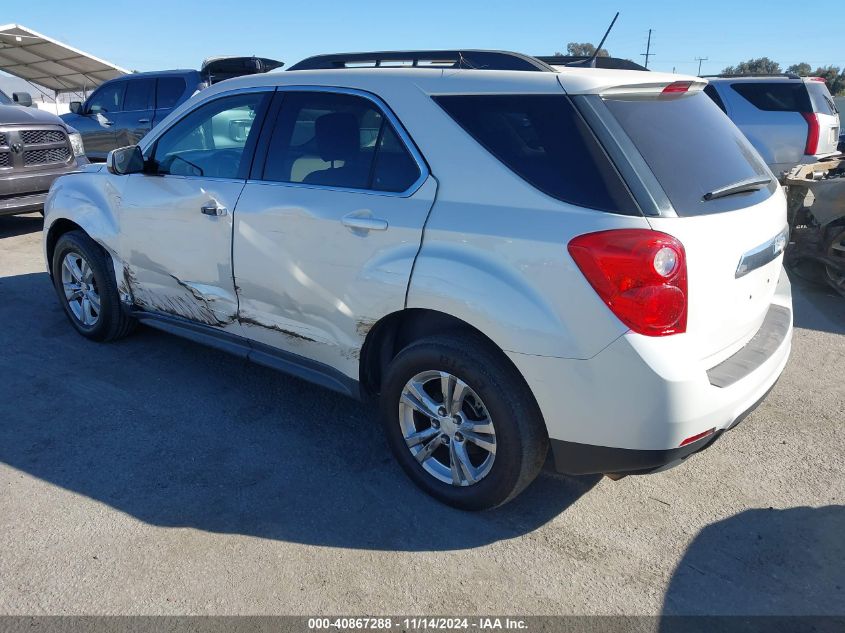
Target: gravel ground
{"x":155,"y":476}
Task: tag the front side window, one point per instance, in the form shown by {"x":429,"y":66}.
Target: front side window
{"x":542,"y":139}
{"x":337,"y":140}
{"x":210,"y":141}
{"x":109,"y":98}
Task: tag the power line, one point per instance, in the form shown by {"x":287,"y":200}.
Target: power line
{"x":648,"y":52}
{"x":699,"y":60}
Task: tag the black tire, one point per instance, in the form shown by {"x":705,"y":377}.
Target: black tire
{"x":113,"y":322}
{"x":521,"y":438}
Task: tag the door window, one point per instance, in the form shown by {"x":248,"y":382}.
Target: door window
{"x":211,"y":141}
{"x":107,"y":99}
{"x":139,"y":95}
{"x":337,"y":140}
{"x":170,"y":89}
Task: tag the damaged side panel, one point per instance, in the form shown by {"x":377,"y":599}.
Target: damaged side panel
{"x":175,"y":259}
{"x":310,"y":284}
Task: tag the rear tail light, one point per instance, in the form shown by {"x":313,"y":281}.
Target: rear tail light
{"x":640,"y":274}
{"x":821,"y":79}
{"x":812,"y":132}
{"x":677,"y":86}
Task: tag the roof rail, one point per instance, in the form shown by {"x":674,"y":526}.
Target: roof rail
{"x":465,"y":59}
{"x":729,"y":75}
{"x":601,"y":62}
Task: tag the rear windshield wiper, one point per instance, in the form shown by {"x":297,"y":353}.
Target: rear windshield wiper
{"x":749,"y":184}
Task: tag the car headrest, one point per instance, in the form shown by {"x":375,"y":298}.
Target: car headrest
{"x":338,"y":136}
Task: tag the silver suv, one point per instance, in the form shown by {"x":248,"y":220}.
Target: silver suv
{"x":790,"y":120}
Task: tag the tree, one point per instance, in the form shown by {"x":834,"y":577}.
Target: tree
{"x":802,"y":70}
{"x":584,"y":49}
{"x":761,"y":65}
{"x":833,"y":78}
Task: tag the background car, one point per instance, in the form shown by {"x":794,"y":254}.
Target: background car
{"x":121,"y":111}
{"x":36,"y":147}
{"x":790,"y":120}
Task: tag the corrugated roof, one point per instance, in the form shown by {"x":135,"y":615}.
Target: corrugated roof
{"x":50,"y":63}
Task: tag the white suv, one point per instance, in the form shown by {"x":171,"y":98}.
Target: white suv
{"x":790,"y":120}
{"x":510,"y":258}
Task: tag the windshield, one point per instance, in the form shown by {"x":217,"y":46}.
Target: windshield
{"x":4,"y":99}
{"x":694,"y":150}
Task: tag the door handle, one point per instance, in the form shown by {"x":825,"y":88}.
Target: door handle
{"x":143,"y":120}
{"x":108,"y":123}
{"x":364,"y":223}
{"x":213,"y":210}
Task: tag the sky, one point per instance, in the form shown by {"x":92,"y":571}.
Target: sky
{"x":159,"y":34}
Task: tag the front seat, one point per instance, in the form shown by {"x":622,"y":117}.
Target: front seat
{"x":339,"y":139}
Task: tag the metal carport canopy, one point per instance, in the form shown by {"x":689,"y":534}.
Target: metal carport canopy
{"x":49,"y":63}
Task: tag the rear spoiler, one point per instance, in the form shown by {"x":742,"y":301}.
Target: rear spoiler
{"x":216,"y":69}
{"x":616,"y":63}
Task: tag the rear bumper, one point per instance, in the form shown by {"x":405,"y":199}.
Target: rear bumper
{"x":630,"y":408}
{"x":582,"y":459}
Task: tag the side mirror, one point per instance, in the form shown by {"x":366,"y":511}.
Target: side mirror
{"x":125,"y":160}
{"x":22,"y":99}
{"x":76,"y":107}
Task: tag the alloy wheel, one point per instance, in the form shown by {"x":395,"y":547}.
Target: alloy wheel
{"x":447,"y":428}
{"x":80,"y":289}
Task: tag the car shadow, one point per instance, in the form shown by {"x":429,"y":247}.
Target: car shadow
{"x":817,"y":306}
{"x":14,"y":225}
{"x":176,"y":434}
{"x":762,"y":562}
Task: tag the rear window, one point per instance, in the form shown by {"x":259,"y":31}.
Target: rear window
{"x":782,"y":96}
{"x":542,"y":139}
{"x":693,"y":149}
{"x":820,"y":98}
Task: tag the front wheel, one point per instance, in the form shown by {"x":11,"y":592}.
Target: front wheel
{"x":87,"y":290}
{"x":462,"y":422}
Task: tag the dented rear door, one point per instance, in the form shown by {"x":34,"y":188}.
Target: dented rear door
{"x":327,"y":229}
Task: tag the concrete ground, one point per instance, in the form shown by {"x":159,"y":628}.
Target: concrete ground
{"x":155,"y":476}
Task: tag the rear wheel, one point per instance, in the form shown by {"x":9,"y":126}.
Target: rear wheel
{"x":87,"y":290}
{"x":836,"y":253}
{"x":462,"y":422}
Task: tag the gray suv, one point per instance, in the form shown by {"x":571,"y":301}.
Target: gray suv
{"x":790,"y":120}
{"x":36,"y":147}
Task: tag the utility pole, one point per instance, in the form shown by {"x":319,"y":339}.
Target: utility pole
{"x":699,"y":60}
{"x":647,"y":53}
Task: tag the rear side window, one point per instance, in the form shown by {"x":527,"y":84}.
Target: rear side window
{"x":337,"y":140}
{"x":693,"y":149}
{"x":139,"y":94}
{"x":169,"y":91}
{"x":542,"y":139}
{"x":782,"y":96}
